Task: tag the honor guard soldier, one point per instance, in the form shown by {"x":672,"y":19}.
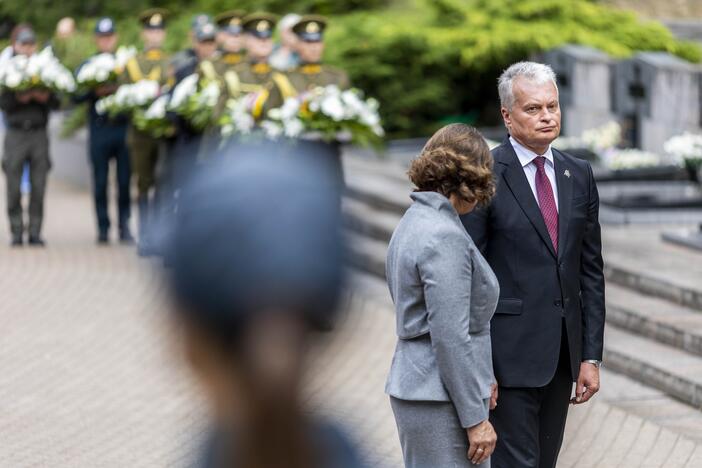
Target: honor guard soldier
{"x":187,"y":59}
{"x":230,"y":39}
{"x":187,"y":140}
{"x":107,"y":141}
{"x":312,"y":73}
{"x":256,"y":73}
{"x":149,"y":64}
{"x":26,"y":142}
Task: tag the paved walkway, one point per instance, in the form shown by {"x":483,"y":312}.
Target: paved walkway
{"x":91,"y":377}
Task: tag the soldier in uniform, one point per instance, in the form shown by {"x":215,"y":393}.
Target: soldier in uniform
{"x":26,"y":141}
{"x":188,"y":57}
{"x":312,"y":72}
{"x":107,"y":140}
{"x":256,"y":74}
{"x":229,"y":39}
{"x":150,"y":64}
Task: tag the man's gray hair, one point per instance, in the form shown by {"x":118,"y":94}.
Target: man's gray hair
{"x":537,"y":73}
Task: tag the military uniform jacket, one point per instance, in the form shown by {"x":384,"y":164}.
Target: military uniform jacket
{"x":150,"y":64}
{"x":310,"y":76}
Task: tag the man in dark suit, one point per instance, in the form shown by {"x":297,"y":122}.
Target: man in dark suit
{"x":541,"y":236}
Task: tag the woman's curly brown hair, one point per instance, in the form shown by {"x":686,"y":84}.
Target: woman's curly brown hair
{"x":455,"y":160}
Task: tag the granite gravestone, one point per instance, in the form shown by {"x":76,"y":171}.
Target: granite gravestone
{"x":656,"y":96}
{"x":584,"y":87}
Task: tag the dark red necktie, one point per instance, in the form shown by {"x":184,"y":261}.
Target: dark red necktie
{"x":547,"y":203}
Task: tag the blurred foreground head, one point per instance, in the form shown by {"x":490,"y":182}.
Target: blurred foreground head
{"x":255,"y":265}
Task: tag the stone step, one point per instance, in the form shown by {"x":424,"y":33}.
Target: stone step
{"x":366,"y":254}
{"x":653,"y":318}
{"x":666,"y":368}
{"x":646,"y":265}
{"x":657,"y":286}
{"x":366,"y":220}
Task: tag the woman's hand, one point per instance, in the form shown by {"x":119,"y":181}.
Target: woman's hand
{"x":493,"y":396}
{"x":481,"y":442}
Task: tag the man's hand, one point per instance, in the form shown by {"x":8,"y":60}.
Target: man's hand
{"x":105,"y":89}
{"x":481,"y":442}
{"x":24,"y":97}
{"x":41,"y":96}
{"x":588,"y":383}
{"x":493,"y":397}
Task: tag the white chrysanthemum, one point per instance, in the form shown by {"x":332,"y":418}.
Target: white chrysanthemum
{"x":603,"y":137}
{"x":631,"y":159}
{"x":209,"y":95}
{"x":332,"y":106}
{"x":293,"y":128}
{"x":685,"y":146}
{"x":271,"y":129}
{"x":186,"y":88}
{"x":13,"y":79}
{"x":157,"y":109}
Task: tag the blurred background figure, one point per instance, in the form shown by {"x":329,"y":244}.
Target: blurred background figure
{"x":255,"y":261}
{"x":311,"y":72}
{"x":65,"y":28}
{"x":144,"y":149}
{"x":229,"y":37}
{"x":107,"y":141}
{"x":26,"y":145}
{"x":64,"y":44}
{"x":285,"y":56}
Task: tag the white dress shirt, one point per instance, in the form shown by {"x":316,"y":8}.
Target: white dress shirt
{"x":526,"y":158}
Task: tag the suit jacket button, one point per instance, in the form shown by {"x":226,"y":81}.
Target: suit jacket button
{"x":557,"y":303}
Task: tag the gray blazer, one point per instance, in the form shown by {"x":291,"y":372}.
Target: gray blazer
{"x":445,"y":295}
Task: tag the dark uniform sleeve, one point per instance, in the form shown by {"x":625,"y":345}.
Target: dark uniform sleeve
{"x":8,"y":101}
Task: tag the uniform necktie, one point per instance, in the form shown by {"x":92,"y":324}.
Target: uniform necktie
{"x":547,"y":204}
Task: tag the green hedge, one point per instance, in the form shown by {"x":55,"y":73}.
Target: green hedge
{"x":441,"y":58}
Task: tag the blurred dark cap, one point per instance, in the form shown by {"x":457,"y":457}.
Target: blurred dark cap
{"x":205,"y":32}
{"x":26,"y":36}
{"x":153,"y":18}
{"x":230,"y":21}
{"x":105,"y":26}
{"x":260,"y":24}
{"x":310,"y":28}
{"x":256,"y":233}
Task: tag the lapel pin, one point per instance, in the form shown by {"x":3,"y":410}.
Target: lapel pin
{"x":567,"y":173}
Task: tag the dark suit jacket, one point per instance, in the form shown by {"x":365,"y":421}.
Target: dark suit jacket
{"x":538,"y":286}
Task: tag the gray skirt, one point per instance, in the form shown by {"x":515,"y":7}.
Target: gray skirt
{"x":431,"y":435}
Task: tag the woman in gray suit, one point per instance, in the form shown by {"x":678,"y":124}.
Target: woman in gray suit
{"x":441,"y":382}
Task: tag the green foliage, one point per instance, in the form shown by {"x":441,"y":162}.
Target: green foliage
{"x":76,"y":119}
{"x":442,"y":58}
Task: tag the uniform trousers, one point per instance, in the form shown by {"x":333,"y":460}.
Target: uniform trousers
{"x":26,"y":147}
{"x":107,"y":142}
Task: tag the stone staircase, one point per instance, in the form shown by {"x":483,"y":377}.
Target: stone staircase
{"x":654,"y":290}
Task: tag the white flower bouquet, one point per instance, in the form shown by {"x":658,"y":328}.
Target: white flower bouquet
{"x":237,"y":118}
{"x":194,"y":100}
{"x":103,"y":68}
{"x":598,"y":140}
{"x":630,"y":158}
{"x":128,"y":98}
{"x":39,"y":71}
{"x":327,"y":113}
{"x":153,"y":119}
{"x":685,"y":148}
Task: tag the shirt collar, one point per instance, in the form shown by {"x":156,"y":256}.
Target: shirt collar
{"x":526,"y":156}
